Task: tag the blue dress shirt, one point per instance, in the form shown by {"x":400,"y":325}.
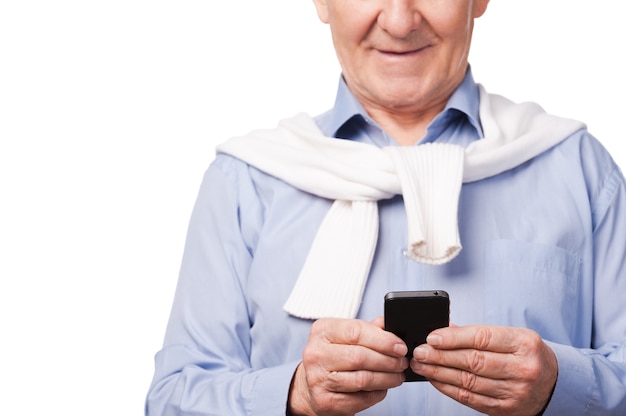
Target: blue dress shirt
{"x":544,"y":247}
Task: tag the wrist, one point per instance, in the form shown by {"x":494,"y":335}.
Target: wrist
{"x":296,"y":404}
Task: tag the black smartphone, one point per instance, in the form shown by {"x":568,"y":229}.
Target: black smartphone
{"x":412,"y":315}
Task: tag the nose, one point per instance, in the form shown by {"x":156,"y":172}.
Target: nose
{"x":399,"y":17}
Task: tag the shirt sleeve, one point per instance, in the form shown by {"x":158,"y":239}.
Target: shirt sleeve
{"x":592,"y":381}
{"x":204,"y":366}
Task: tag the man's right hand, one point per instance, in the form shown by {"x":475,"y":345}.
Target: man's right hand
{"x":347,"y":366}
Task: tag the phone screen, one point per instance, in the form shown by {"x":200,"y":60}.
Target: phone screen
{"x":412,"y":315}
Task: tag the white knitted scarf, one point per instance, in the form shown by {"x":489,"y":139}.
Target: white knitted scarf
{"x":357,"y":175}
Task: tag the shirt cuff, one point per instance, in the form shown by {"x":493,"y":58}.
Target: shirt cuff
{"x":271,"y":389}
{"x":573,"y":392}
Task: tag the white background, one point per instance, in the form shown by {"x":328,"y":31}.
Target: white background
{"x":109,"y":114}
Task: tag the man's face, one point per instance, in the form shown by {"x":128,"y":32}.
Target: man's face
{"x":402,"y":55}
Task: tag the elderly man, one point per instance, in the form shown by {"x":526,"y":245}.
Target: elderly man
{"x":417,"y":178}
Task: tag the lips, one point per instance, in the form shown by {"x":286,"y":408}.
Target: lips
{"x":402,"y":52}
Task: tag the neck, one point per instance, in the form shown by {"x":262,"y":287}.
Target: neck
{"x":406,"y":129}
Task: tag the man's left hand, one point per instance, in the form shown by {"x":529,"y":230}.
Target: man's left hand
{"x":494,"y":370}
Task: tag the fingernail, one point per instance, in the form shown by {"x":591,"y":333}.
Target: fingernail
{"x":434,"y":339}
{"x":400,"y":349}
{"x":420,"y":353}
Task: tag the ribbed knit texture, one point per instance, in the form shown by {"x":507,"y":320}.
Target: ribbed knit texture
{"x":340,"y":258}
{"x":430,"y":178}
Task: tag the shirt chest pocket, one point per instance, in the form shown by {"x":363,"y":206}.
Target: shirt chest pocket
{"x":534,"y":286}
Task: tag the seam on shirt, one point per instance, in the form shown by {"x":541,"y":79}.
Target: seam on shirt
{"x":606,"y":195}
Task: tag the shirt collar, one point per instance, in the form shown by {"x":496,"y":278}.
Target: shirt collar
{"x":465,"y":100}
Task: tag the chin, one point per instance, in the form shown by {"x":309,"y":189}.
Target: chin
{"x":399,"y":97}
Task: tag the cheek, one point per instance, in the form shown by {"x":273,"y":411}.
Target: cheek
{"x":455,"y":26}
{"x":457,"y":37}
{"x":350,"y":25}
{"x":344,"y":47}
{"x":348,"y":42}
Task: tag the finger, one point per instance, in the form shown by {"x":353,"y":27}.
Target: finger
{"x":379,"y":322}
{"x":354,"y":381}
{"x":323,"y":350}
{"x":466,"y":380}
{"x":480,"y":337}
{"x":497,"y":366}
{"x":346,"y":403}
{"x":356,"y":357}
{"x":483,"y":404}
{"x":506,"y":402}
{"x":357,"y":332}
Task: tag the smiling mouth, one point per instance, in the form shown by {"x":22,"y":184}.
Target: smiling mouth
{"x":403,"y":53}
